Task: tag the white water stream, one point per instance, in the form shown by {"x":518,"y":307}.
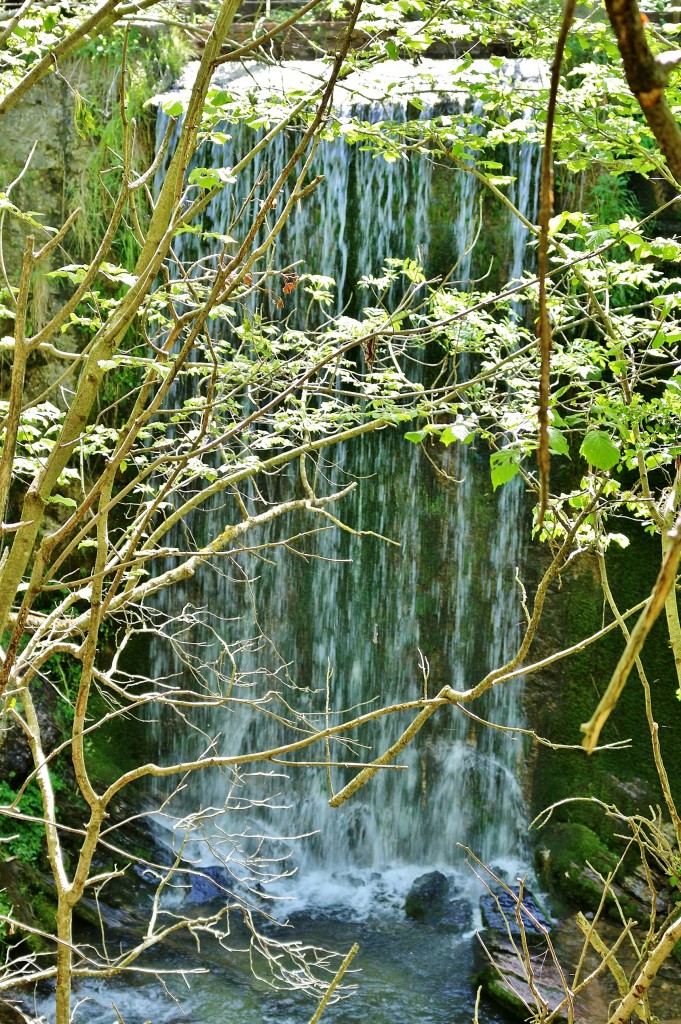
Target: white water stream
{"x":363,"y":610}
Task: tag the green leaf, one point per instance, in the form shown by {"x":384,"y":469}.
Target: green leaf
{"x":566,"y":217}
{"x":599,"y":450}
{"x":557,"y":442}
{"x":455,"y":432}
{"x":59,"y":499}
{"x":219,"y":98}
{"x":210,"y":177}
{"x":504,"y":466}
{"x":225,"y":239}
{"x":173,"y":108}
{"x":415,"y":436}
{"x":670,"y":337}
{"x":118,"y":274}
{"x":618,"y":538}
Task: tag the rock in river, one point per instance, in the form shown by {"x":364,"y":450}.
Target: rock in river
{"x":522,"y":984}
{"x":432,"y":899}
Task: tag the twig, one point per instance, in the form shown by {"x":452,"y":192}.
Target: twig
{"x":545,"y":212}
{"x":335,"y":983}
{"x":588,"y":930}
{"x":656,"y":958}
{"x":664,"y":583}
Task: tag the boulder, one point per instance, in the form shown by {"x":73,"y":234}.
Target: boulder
{"x":16,"y":761}
{"x":426,"y":899}
{"x":433,"y":900}
{"x":501,"y":971}
{"x":457,"y":916}
{"x":209,"y":883}
{"x":498,"y":910}
{"x":500,"y":965}
{"x":11,"y":1014}
{"x":573,"y":861}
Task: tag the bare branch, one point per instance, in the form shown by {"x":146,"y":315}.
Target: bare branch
{"x":666,"y":580}
{"x":647,"y":77}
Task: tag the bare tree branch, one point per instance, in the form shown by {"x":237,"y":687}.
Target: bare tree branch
{"x":647,"y":77}
{"x":665,"y":582}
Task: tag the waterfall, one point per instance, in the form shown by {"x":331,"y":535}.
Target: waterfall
{"x":330,"y":233}
{"x":524,"y":167}
{"x":348,"y":621}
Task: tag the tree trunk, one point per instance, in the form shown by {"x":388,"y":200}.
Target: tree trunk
{"x":64,"y":962}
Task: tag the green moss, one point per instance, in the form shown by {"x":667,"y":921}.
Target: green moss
{"x":115,"y":747}
{"x":40,"y":898}
{"x":571,"y":848}
{"x":626,"y":778}
{"x":490,"y":254}
{"x":503,"y":995}
{"x":573,"y":863}
{"x":22,"y":839}
{"x":581,"y":830}
{"x":154,"y":60}
{"x":576,"y":843}
{"x":5,"y":909}
{"x":28,"y":894}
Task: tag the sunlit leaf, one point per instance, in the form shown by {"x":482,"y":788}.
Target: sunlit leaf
{"x":599,"y":450}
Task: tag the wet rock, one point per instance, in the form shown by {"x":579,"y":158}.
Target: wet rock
{"x":573,"y":863}
{"x":209,"y":883}
{"x":433,"y":900}
{"x":501,"y":970}
{"x":499,"y":913}
{"x":637,"y":887}
{"x":521,"y":986}
{"x":30,"y":893}
{"x":457,"y":916}
{"x":426,"y":899}
{"x":11,"y":1014}
{"x":16,"y":762}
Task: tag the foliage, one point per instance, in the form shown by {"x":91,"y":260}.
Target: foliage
{"x":21,"y":837}
{"x":5,"y":911}
{"x":151,"y":62}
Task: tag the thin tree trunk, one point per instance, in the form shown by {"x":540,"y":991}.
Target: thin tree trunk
{"x":64,"y":961}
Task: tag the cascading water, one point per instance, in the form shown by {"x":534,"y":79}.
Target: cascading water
{"x":356,"y":619}
{"x":524,"y":168}
{"x":358,"y":613}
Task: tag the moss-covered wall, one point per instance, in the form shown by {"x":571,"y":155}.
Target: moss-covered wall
{"x":565,"y":695}
{"x":489,"y":265}
{"x":59,"y":141}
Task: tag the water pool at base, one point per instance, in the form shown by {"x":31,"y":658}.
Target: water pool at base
{"x":405,"y":972}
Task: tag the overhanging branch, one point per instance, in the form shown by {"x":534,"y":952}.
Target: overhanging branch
{"x":647,"y":77}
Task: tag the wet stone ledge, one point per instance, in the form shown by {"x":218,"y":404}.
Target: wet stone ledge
{"x":312,"y":39}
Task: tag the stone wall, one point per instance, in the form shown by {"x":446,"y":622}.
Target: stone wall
{"x":42,"y":124}
{"x":45,"y":157}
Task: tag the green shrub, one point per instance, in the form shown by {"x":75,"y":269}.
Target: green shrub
{"x":21,"y":839}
